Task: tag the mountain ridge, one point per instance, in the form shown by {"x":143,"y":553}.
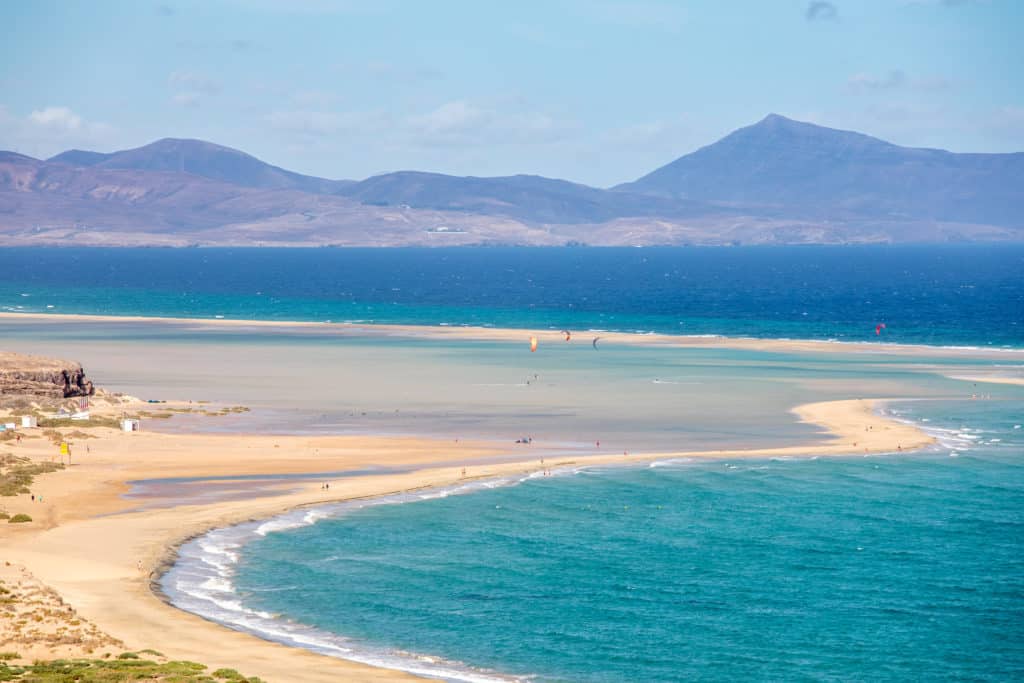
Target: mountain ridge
{"x":777,"y":181}
{"x":204,"y":159}
{"x":779,"y":160}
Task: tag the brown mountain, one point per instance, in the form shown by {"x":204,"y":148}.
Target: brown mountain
{"x":203,"y":159}
{"x":778,"y":181}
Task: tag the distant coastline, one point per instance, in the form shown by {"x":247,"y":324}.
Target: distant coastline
{"x":761,"y":184}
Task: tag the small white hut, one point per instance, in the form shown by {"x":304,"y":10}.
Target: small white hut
{"x":130,"y":425}
{"x":29,"y":421}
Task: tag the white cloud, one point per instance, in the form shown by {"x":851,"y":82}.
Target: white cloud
{"x":451,"y":118}
{"x":57,"y":118}
{"x":51,"y":129}
{"x":463,"y":123}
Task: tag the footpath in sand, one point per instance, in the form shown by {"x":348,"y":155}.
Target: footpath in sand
{"x":101,"y":553}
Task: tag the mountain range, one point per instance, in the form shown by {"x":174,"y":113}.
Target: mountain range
{"x":778,"y":181}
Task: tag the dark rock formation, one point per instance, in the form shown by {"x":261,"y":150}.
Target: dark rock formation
{"x":37,"y":377}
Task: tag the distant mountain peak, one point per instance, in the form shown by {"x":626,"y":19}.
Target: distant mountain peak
{"x":777,"y":124}
{"x":202,"y":158}
{"x":193,"y":144}
{"x":783,"y":165}
{"x":79,"y":157}
{"x":774,"y":118}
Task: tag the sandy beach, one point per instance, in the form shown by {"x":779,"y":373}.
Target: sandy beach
{"x":89,"y":544}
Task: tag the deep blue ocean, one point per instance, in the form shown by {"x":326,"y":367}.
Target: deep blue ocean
{"x":944,"y":295}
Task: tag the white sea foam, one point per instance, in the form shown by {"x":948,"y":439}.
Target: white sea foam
{"x":201,"y":582}
{"x":278,"y":525}
{"x":671,"y":462}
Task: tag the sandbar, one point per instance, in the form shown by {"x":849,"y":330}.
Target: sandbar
{"x":548,"y":336}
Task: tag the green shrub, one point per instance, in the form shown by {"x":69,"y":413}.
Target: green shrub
{"x":19,"y":473}
{"x":19,"y":518}
{"x":120,"y":670}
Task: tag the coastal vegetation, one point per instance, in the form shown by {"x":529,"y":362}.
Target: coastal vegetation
{"x":128,"y":666}
{"x":18,"y":473}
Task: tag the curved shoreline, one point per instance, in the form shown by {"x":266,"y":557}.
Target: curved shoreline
{"x":545,"y":335}
{"x":109,"y":590}
{"x":437,"y":666}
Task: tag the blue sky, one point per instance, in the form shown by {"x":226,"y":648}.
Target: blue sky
{"x":598,"y":92}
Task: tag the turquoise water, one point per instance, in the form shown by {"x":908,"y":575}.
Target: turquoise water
{"x":565,"y":396}
{"x":877,"y":568}
{"x":883,"y":568}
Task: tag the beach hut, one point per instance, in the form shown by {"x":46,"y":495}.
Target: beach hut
{"x":29,"y":421}
{"x":10,"y":425}
{"x":130,"y":425}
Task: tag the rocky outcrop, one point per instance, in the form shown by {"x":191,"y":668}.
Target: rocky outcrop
{"x":38,"y":377}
